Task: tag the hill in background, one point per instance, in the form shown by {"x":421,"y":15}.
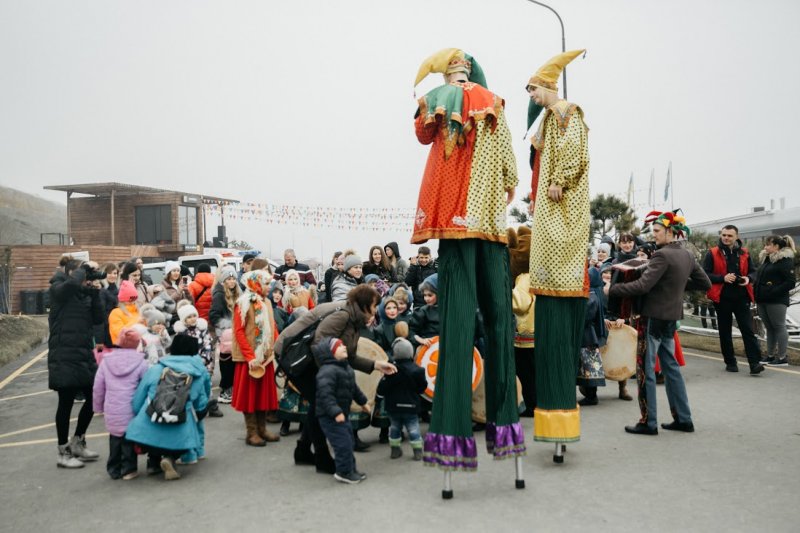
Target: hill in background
{"x":24,"y":216}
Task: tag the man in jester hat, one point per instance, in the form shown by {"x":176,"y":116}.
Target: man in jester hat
{"x":469,"y":178}
{"x":558,"y":268}
{"x":670,"y":272}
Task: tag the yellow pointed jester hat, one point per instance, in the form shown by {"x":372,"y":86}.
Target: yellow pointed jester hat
{"x":451,"y":60}
{"x":547,"y":75}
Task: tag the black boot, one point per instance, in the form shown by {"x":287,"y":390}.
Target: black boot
{"x":303,"y":454}
{"x":324,"y":462}
{"x":358,"y":444}
{"x":214,"y":410}
{"x":383,"y":438}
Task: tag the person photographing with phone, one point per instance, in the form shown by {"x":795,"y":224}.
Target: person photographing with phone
{"x":75,"y":309}
{"x":177,"y":286}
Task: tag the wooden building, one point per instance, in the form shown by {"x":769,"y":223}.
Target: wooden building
{"x":112,"y":222}
{"x":29,"y":267}
{"x":119,"y":214}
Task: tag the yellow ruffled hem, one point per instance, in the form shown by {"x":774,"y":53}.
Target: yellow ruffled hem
{"x":558,"y":425}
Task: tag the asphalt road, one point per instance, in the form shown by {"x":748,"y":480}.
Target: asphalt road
{"x":740,"y":471}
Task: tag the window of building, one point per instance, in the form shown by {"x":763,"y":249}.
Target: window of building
{"x":153,"y":224}
{"x":187,"y":225}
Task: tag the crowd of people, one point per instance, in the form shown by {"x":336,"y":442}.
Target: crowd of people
{"x":145,"y":354}
{"x":118,"y":342}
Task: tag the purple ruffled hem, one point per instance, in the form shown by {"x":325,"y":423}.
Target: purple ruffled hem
{"x":450,"y":453}
{"x":505,"y":441}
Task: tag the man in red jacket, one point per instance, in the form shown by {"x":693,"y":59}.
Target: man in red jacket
{"x":730,"y":269}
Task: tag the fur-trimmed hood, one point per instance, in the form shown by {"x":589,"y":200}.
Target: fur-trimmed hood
{"x":783,"y":253}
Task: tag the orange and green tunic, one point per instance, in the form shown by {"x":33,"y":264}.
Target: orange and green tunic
{"x":470,"y":165}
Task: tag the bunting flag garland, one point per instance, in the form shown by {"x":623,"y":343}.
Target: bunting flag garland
{"x":344,"y":218}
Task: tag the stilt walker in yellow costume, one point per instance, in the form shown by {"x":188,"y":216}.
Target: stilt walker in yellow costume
{"x":469,"y":178}
{"x":558,"y":269}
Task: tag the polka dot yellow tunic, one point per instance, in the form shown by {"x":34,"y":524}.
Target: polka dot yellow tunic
{"x":561,"y":229}
{"x":462,"y":195}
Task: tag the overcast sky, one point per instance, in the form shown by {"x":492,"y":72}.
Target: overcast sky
{"x":311,"y":102}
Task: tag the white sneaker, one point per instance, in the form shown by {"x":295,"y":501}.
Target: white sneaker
{"x":77,"y":446}
{"x":225,"y":396}
{"x":65,"y":458}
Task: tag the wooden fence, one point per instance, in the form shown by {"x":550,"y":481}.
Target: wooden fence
{"x":30,"y":267}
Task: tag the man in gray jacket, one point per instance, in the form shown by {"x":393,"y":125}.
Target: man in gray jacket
{"x":670,"y":272}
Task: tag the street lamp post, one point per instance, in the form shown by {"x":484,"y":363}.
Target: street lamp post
{"x":563,"y":40}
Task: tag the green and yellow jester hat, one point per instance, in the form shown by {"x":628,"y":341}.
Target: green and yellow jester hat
{"x":671,"y":220}
{"x":450,"y":60}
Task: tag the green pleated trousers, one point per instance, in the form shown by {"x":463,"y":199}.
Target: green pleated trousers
{"x":474,"y":273}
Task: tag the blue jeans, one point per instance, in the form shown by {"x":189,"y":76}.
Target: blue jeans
{"x":411,"y":423}
{"x":340,"y":435}
{"x":661,"y":342}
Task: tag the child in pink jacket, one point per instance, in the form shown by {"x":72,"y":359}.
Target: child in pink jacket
{"x":116,"y":380}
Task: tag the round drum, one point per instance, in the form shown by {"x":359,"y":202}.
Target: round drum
{"x":479,"y":401}
{"x":619,"y":353}
{"x":428,"y":358}
{"x":368,"y":383}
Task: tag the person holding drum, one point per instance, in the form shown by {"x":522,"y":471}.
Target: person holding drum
{"x":664,"y":282}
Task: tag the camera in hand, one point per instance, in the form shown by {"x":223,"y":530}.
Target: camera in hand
{"x":92,"y":273}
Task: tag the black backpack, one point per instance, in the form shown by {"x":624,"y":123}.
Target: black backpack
{"x":172,"y":393}
{"x":296,"y":356}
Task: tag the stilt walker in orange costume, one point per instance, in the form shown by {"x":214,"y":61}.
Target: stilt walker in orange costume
{"x":469,"y":179}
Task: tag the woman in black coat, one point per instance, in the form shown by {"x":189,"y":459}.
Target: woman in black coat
{"x":337,"y":266}
{"x":774,"y":281}
{"x":341,"y":320}
{"x":75,"y":308}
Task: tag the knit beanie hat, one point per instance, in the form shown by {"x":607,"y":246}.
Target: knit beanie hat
{"x":186,"y":311}
{"x":184,"y":344}
{"x":248,"y":257}
{"x":371,"y":277}
{"x":127,"y":292}
{"x":155,"y":317}
{"x":350,"y":261}
{"x":431,"y":283}
{"x":604,"y":246}
{"x":334,"y":344}
{"x":129,"y":338}
{"x":169,"y":266}
{"x":227,"y":272}
{"x":203,"y":267}
{"x":402,"y":349}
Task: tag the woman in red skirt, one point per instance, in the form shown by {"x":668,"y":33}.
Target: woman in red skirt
{"x":254,"y":335}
